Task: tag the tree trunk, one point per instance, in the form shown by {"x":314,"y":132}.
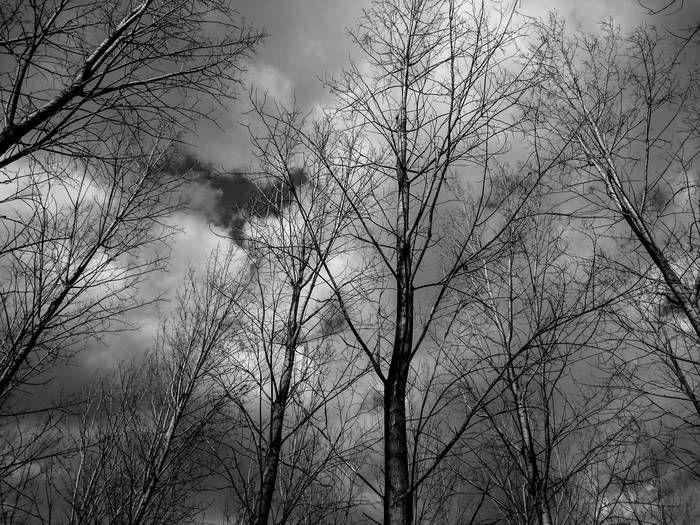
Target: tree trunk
{"x":535,"y":481}
{"x":534,"y":477}
{"x":271,"y":462}
{"x":398,"y":501}
{"x":277,"y":414}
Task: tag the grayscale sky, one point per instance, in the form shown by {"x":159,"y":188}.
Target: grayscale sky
{"x":307,"y":41}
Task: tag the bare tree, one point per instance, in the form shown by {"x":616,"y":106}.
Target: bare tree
{"x":621,"y":104}
{"x":73,"y":254}
{"x":540,"y":312}
{"x":623,"y":109}
{"x":291,"y":427}
{"x":73,"y":72}
{"x":140,"y":453}
{"x":89,"y":102}
{"x":429,"y":103}
{"x":65,"y":265}
{"x":93,"y":97}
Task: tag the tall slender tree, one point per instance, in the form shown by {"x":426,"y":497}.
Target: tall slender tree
{"x":291,"y":235}
{"x":428,"y":104}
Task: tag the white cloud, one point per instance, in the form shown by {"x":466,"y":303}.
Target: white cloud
{"x":268,"y":79}
{"x":191,"y":247}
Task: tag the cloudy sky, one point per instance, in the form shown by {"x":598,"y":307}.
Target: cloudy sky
{"x":307,"y":41}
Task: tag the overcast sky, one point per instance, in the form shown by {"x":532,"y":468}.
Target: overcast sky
{"x":307,"y":40}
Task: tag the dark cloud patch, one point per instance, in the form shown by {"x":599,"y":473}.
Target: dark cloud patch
{"x":230,"y":199}
{"x":177,"y":161}
{"x":242,"y":197}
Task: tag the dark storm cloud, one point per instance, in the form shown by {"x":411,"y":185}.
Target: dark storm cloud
{"x":228,"y":200}
{"x":240,"y":199}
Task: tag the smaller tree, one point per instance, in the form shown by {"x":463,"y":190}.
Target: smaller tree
{"x":137,"y":453}
{"x":544,"y":328}
{"x":72,"y":254}
{"x":623,"y":108}
{"x":291,"y":235}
